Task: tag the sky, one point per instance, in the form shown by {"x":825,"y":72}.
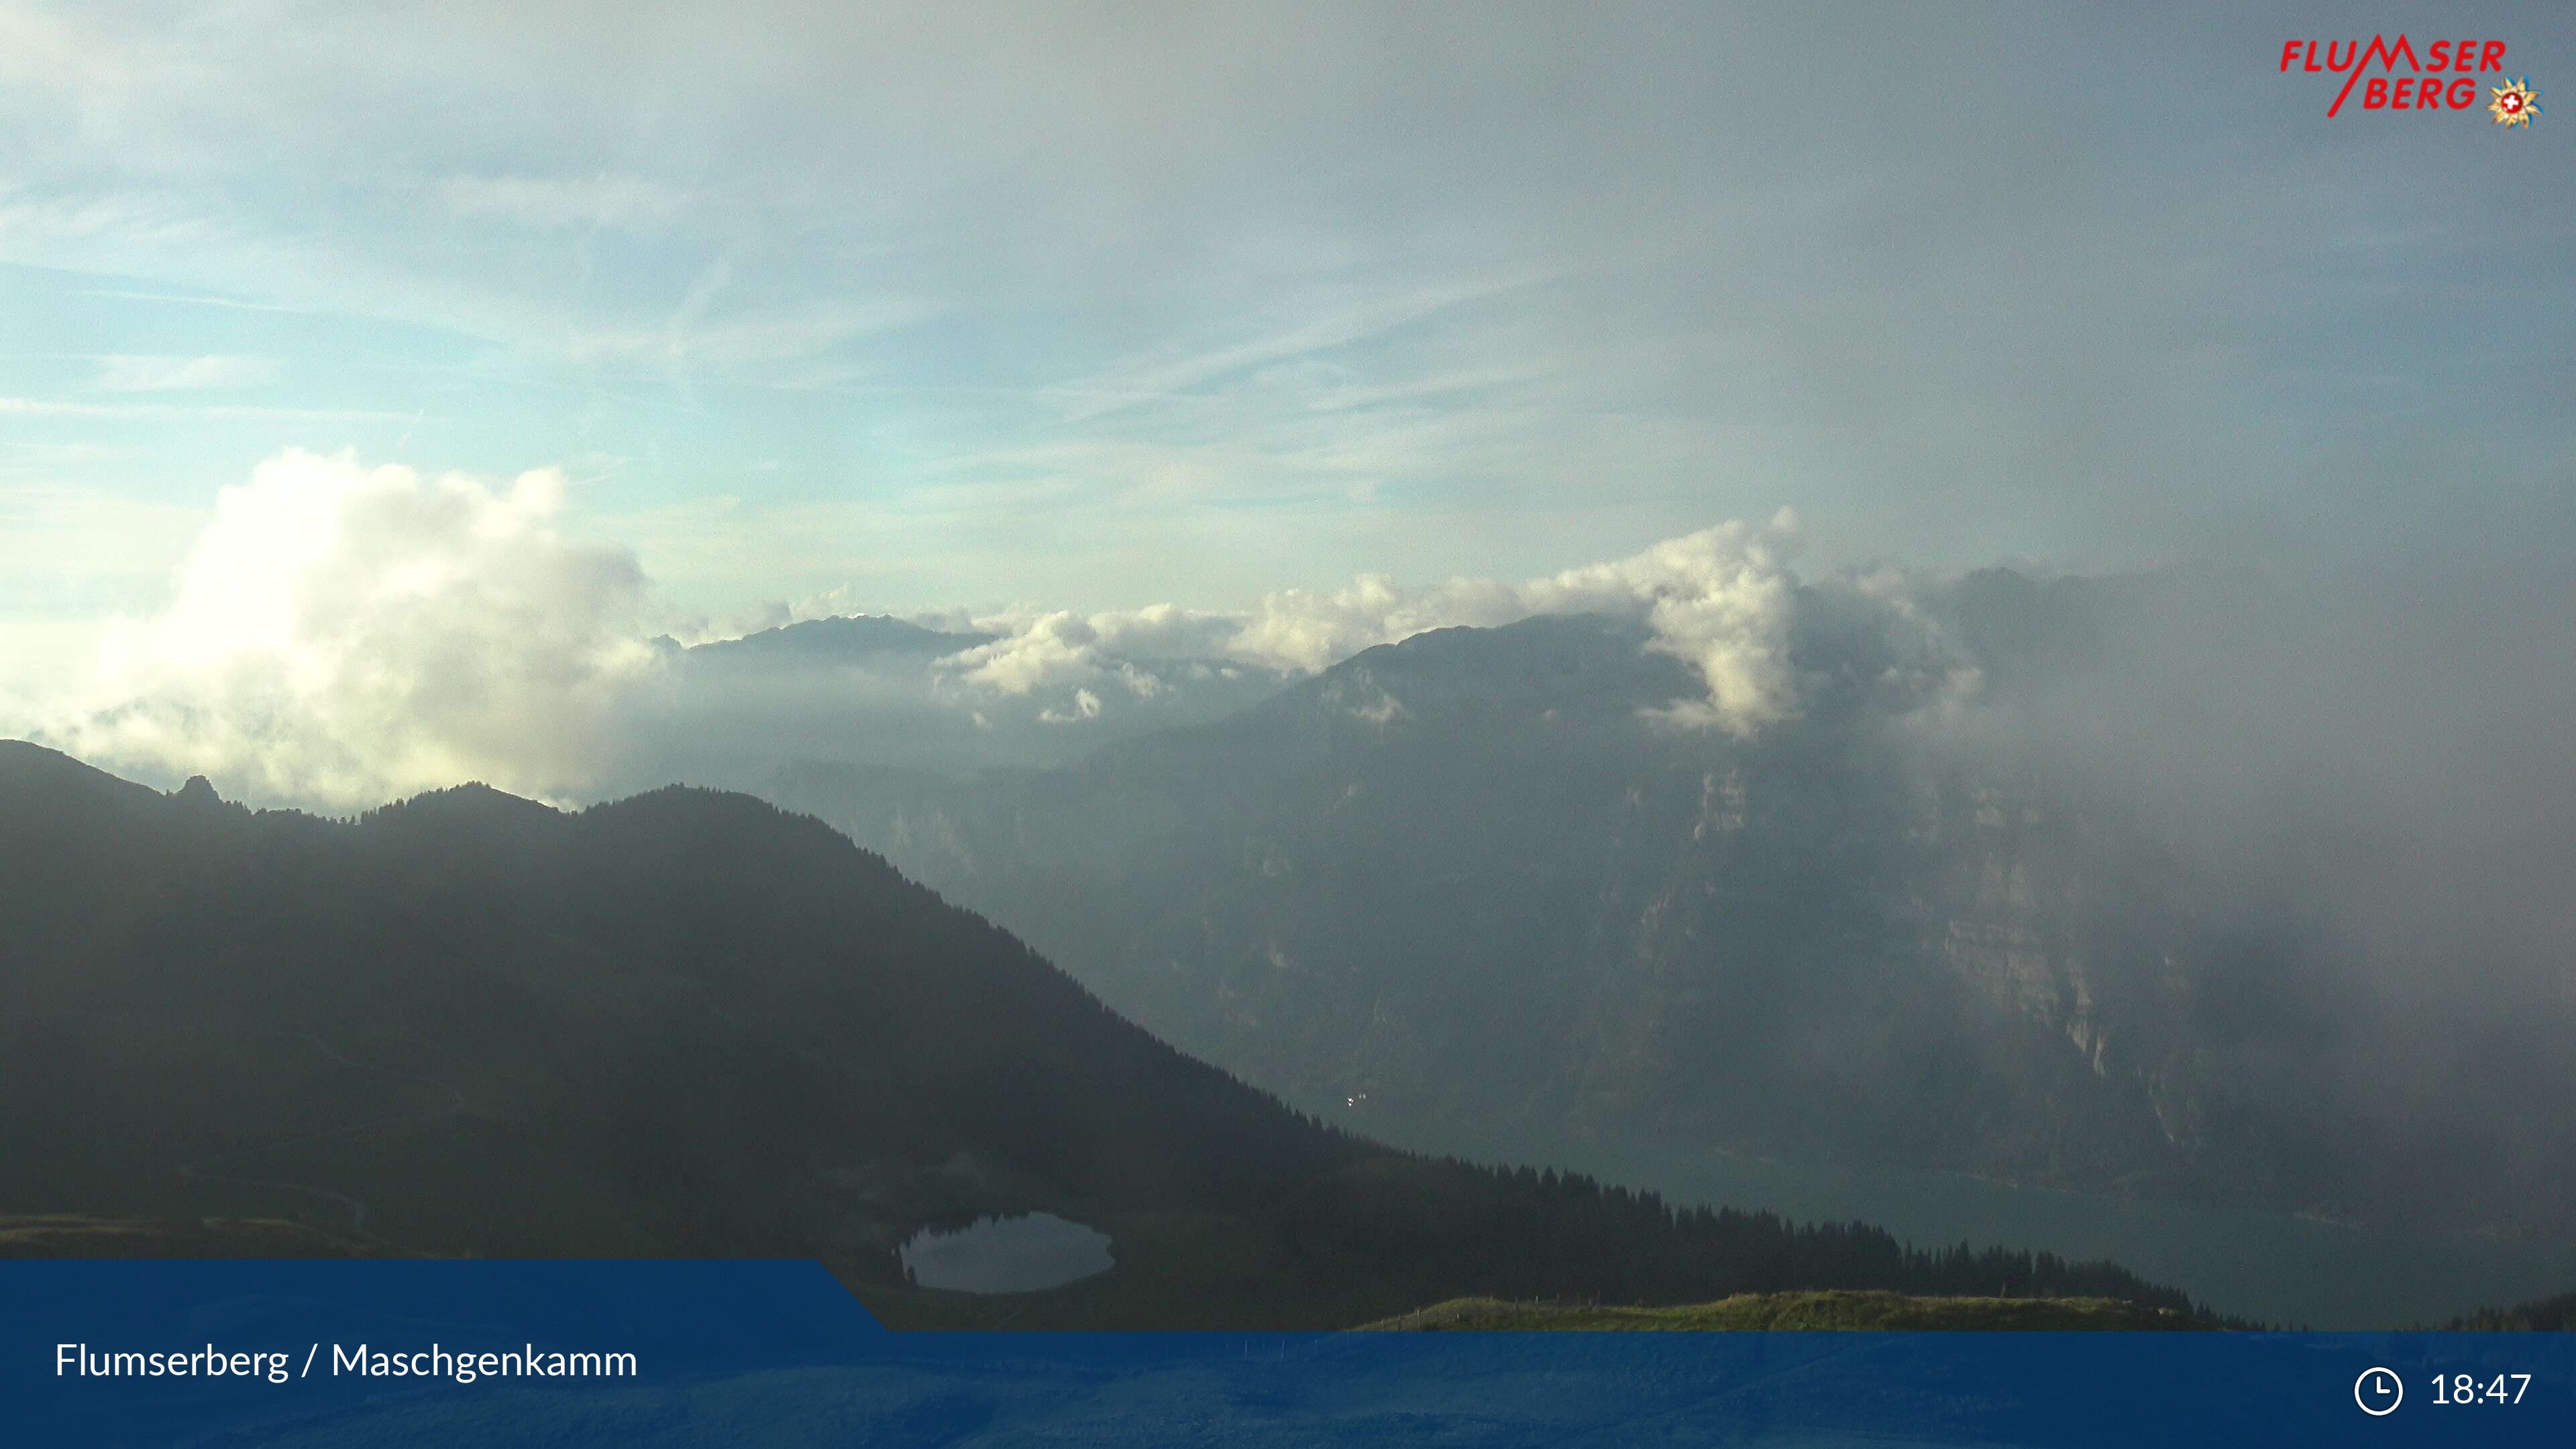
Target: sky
{"x":898,"y":308}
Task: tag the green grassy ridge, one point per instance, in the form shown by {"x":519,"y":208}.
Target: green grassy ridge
{"x":1824,"y":1310}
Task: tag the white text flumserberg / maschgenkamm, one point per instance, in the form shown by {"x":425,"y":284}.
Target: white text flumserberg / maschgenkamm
{"x":79,"y":1360}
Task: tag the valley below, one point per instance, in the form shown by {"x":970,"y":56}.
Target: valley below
{"x":2272,"y":1267}
{"x":688,"y":1024}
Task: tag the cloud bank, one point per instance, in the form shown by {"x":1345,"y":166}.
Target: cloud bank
{"x":342,"y":635}
{"x":1720,"y":599}
{"x":339,"y":635}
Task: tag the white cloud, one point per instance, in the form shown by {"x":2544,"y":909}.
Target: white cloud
{"x":1050,"y":650}
{"x":341,"y":635}
{"x":1296,"y":629}
{"x":1086,"y":705}
{"x":1720,"y":599}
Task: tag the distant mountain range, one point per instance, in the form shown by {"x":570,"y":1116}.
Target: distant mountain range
{"x":688,"y":1023}
{"x":887,"y":692}
{"x":852,"y":639}
{"x":1473,"y":877}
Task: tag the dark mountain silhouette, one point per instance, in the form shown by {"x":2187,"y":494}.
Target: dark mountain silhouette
{"x":687,"y":1023}
{"x":2541,"y":1315}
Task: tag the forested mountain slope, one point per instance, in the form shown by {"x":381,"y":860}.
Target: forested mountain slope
{"x":687,"y":1023}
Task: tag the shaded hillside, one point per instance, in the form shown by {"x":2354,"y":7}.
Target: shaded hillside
{"x":687,"y":1023}
{"x":73,"y":1235}
{"x":2548,"y":1315}
{"x":1472,"y":878}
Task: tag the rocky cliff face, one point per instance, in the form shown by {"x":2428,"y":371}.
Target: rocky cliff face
{"x":1470,"y":877}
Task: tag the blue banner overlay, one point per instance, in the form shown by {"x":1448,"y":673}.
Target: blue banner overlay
{"x":361,"y":1353}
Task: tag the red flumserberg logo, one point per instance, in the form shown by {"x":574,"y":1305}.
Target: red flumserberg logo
{"x":2396,"y":75}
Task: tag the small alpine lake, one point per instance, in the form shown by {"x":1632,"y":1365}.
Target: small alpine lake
{"x":1018,"y":1254}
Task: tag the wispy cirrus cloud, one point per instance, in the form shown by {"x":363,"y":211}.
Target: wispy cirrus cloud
{"x":237,"y":304}
{"x":748,"y":338}
{"x":1318,"y":326}
{"x":37,"y":407}
{"x":128,"y":373}
{"x":549,"y":202}
{"x":1080,"y":301}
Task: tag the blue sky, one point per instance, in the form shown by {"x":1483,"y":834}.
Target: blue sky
{"x":1100,"y":307}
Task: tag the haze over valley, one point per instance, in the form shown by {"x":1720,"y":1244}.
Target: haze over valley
{"x":1661,"y":864}
{"x":1841,"y":649}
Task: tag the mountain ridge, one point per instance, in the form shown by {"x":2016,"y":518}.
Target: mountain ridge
{"x":690,"y":1022}
{"x":1479,"y":877}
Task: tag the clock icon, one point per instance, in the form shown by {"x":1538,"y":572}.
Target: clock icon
{"x":2378,"y":1391}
